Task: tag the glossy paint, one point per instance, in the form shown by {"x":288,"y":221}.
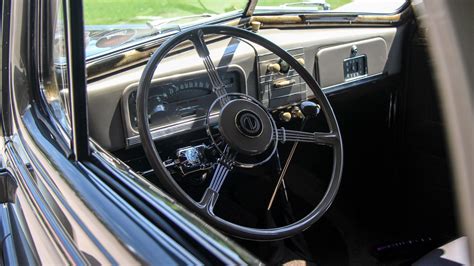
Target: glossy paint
{"x":92,"y":211}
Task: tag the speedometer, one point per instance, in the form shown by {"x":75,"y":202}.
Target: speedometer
{"x":180,"y":90}
{"x":174,"y":99}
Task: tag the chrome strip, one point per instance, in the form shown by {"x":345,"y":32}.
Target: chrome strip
{"x":353,"y":82}
{"x":195,"y":124}
{"x":172,"y":130}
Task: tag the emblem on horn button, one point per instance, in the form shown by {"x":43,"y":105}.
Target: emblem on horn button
{"x":249,"y":124}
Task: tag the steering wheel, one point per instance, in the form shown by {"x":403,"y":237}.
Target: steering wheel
{"x":246,"y":127}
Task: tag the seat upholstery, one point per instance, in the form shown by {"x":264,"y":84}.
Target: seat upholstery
{"x":454,"y":253}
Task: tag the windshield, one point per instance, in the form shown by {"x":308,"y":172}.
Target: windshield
{"x":113,"y":23}
{"x":110,"y":24}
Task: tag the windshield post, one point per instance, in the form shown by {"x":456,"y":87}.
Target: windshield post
{"x":250,"y":8}
{"x":5,"y":118}
{"x":77,"y":77}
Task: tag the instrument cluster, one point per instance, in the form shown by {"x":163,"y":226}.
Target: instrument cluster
{"x":176,"y":100}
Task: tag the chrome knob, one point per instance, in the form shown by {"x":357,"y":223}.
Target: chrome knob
{"x":285,"y":116}
{"x":275,"y":67}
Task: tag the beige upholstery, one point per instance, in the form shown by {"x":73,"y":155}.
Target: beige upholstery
{"x":454,"y":253}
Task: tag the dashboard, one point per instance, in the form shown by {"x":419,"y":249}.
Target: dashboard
{"x":180,"y":94}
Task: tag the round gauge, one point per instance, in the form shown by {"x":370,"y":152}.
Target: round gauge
{"x":182,"y":91}
{"x":177,"y":98}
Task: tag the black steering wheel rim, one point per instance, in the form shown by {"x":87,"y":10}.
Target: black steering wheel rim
{"x":206,"y":211}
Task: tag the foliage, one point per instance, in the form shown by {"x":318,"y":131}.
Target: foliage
{"x":103,"y":12}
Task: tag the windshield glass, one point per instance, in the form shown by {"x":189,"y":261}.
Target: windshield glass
{"x":352,"y":6}
{"x":113,"y":23}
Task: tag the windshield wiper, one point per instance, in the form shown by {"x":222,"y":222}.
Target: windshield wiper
{"x":159,"y":23}
{"x":319,"y":3}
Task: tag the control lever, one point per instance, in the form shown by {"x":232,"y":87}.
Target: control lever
{"x":283,"y":83}
{"x":309,"y":110}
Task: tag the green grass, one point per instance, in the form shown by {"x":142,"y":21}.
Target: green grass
{"x":102,"y":12}
{"x":334,"y":3}
{"x":130,"y":11}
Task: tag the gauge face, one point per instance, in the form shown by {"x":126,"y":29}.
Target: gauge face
{"x":180,"y":91}
{"x":179,"y":98}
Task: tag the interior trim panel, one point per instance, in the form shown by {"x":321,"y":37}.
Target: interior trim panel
{"x":329,"y":60}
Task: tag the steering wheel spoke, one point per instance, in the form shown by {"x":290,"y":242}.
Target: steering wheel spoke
{"x":222,"y":168}
{"x":283,"y":135}
{"x":218,"y":86}
{"x":246,"y":126}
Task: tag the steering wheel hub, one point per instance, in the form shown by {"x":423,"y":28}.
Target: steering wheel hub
{"x":249,"y":124}
{"x":246,"y":127}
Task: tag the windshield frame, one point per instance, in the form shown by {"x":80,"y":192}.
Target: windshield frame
{"x":280,"y":10}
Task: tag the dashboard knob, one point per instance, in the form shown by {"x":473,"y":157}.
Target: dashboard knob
{"x":275,"y":67}
{"x":299,"y":114}
{"x":285,"y":67}
{"x":310,"y":109}
{"x":296,"y":112}
{"x":283,"y":83}
{"x":256,"y":25}
{"x":301,"y":61}
{"x":285,"y":116}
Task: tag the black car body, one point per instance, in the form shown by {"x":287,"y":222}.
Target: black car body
{"x":70,"y":196}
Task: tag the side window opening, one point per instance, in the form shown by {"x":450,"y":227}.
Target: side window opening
{"x":54,"y":73}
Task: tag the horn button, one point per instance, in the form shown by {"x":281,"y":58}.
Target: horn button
{"x":246,"y":127}
{"x":249,"y":124}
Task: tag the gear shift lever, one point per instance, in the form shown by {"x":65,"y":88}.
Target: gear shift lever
{"x":310,"y":109}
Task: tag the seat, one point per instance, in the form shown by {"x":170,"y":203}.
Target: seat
{"x":454,"y":253}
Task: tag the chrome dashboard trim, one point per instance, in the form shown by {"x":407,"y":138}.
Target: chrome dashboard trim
{"x":194,"y":124}
{"x":166,"y":131}
{"x":353,"y":82}
{"x":162,"y":131}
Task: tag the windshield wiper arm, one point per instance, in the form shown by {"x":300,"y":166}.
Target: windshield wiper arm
{"x":320,"y":3}
{"x":159,"y":23}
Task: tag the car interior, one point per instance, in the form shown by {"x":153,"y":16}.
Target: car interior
{"x":388,"y":161}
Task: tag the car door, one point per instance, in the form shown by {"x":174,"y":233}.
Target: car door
{"x":57,"y":209}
